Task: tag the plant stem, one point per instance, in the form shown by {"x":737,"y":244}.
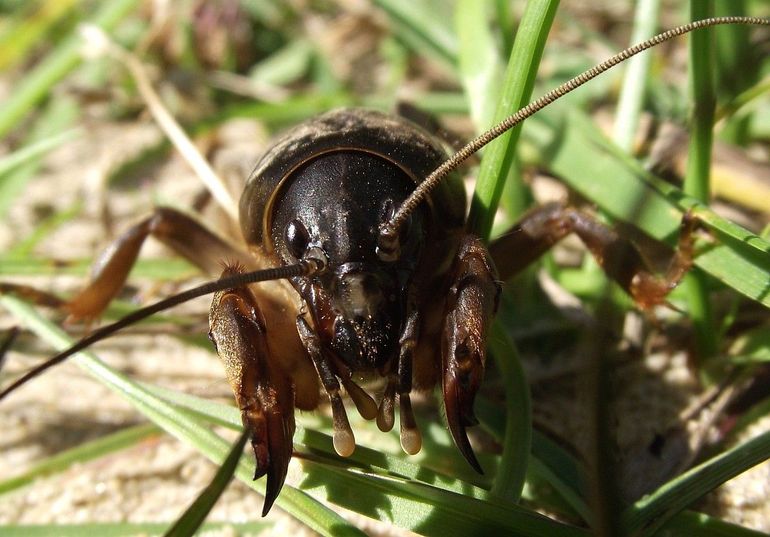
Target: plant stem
{"x":696,"y":183}
{"x":517,"y":90}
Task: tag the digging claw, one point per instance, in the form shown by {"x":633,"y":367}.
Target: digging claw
{"x":459,"y":393}
{"x":263,"y":391}
{"x":475,"y":296}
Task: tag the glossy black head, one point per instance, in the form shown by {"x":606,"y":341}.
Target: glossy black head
{"x":335,"y":203}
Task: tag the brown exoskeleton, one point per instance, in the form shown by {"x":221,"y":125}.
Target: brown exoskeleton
{"x":383,"y":280}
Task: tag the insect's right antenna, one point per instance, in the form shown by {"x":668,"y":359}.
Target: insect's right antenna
{"x":306,"y":267}
{"x":388,"y":243}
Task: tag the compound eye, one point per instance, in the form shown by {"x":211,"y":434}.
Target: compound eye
{"x":297,"y":238}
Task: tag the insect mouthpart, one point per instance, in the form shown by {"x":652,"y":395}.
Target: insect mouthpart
{"x":367,"y":322}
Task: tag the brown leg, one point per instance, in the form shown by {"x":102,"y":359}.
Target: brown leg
{"x":174,"y":229}
{"x":540,"y":229}
{"x":263,"y":392}
{"x":472,"y":305}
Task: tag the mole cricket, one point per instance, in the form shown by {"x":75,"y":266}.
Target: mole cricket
{"x":358,"y":220}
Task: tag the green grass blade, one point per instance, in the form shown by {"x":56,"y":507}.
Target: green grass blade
{"x":16,"y":42}
{"x":178,"y":423}
{"x":82,"y":453}
{"x":37,"y":84}
{"x":321,"y":443}
{"x":517,"y":442}
{"x":193,"y":517}
{"x":479,"y":62}
{"x":690,"y":523}
{"x":698,"y":176}
{"x":56,"y":117}
{"x":432,"y":511}
{"x":636,"y":75}
{"x":123,"y":529}
{"x":517,"y":88}
{"x":160,"y":269}
{"x":416,"y":24}
{"x":548,"y":461}
{"x":34,"y":151}
{"x":649,"y":513}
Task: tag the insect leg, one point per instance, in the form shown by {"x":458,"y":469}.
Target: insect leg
{"x":543,"y":227}
{"x":175,"y":229}
{"x":263,"y":392}
{"x":411,"y":441}
{"x":344,"y":441}
{"x":470,"y":309}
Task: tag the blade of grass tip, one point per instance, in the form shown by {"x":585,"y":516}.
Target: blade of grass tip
{"x":37,"y":84}
{"x":651,"y":512}
{"x":517,"y":89}
{"x":179,"y":423}
{"x":193,"y":517}
{"x":636,"y":76}
{"x":517,"y":442}
{"x":697,"y":177}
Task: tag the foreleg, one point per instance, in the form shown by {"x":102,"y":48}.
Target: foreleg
{"x":263,"y":391}
{"x":472,"y":304}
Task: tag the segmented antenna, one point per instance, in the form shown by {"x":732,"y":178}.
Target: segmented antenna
{"x":388,"y":242}
{"x":306,"y":267}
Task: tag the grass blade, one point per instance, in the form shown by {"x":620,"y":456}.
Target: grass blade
{"x":479,"y":62}
{"x":690,"y":523}
{"x":82,"y":453}
{"x":517,"y":442}
{"x":193,"y":517}
{"x":698,"y":177}
{"x":123,"y":529}
{"x":517,"y":89}
{"x":179,"y":423}
{"x":37,"y":84}
{"x":416,"y":24}
{"x":24,"y":34}
{"x":649,"y":513}
{"x":636,"y":76}
{"x":34,"y":151}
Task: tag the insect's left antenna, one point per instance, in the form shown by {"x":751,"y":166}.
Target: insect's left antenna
{"x":388,"y":240}
{"x":306,"y":267}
